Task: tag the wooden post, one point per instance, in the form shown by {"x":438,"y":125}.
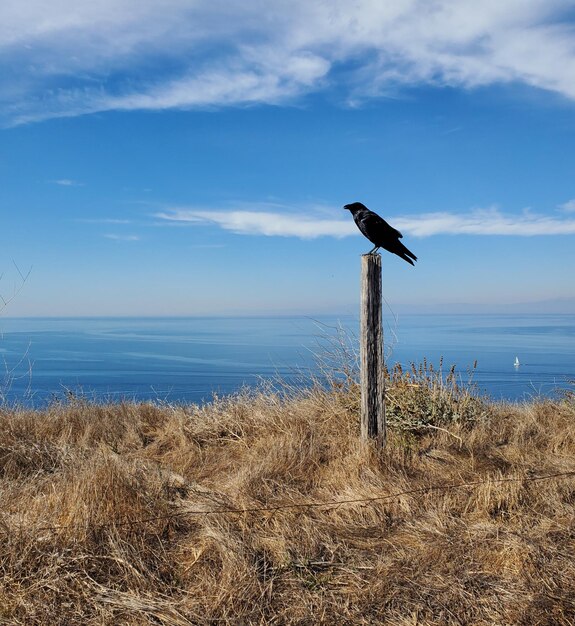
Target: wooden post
{"x":371,"y":351}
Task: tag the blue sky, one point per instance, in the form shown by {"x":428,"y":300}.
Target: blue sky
{"x":183,"y":158}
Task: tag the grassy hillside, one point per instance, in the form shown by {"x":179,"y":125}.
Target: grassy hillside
{"x":143,"y":514}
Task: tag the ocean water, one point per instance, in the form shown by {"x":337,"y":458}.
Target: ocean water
{"x":190,"y":359}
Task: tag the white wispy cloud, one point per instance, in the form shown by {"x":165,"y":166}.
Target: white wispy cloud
{"x":67,"y":182}
{"x":68,"y":58}
{"x":306,"y":225}
{"x":267,"y":223}
{"x":485,"y":222}
{"x":569,"y":206}
{"x":116,"y":237}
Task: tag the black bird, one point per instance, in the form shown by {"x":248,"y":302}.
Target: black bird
{"x":379,"y":232}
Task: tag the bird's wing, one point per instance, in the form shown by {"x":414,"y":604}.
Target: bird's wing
{"x":371,"y":222}
{"x":392,"y":230}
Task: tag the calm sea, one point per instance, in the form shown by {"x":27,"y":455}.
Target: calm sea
{"x":189,"y":359}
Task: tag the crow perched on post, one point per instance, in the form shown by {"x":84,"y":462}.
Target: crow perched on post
{"x":379,"y":232}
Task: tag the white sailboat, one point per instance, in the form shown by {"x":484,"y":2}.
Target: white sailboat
{"x":516,"y":364}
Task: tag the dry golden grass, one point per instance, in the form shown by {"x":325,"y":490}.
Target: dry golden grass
{"x":76,"y":478}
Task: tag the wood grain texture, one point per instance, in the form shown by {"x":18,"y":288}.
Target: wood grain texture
{"x":371,"y":351}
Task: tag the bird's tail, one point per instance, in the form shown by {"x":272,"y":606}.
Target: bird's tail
{"x":405,"y":254}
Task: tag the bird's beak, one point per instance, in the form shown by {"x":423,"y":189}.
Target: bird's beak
{"x":346,"y":207}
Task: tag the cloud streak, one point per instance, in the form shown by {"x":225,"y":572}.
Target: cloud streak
{"x":305,"y":226}
{"x":485,"y":222}
{"x":67,"y":58}
{"x":263,"y":223}
{"x":569,"y":206}
{"x":66,"y":182}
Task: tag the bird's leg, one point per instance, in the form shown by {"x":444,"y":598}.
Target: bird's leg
{"x":374,"y":250}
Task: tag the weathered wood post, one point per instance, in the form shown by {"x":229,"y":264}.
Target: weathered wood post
{"x":371,"y":351}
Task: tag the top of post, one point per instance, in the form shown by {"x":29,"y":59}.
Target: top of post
{"x":373,"y":257}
